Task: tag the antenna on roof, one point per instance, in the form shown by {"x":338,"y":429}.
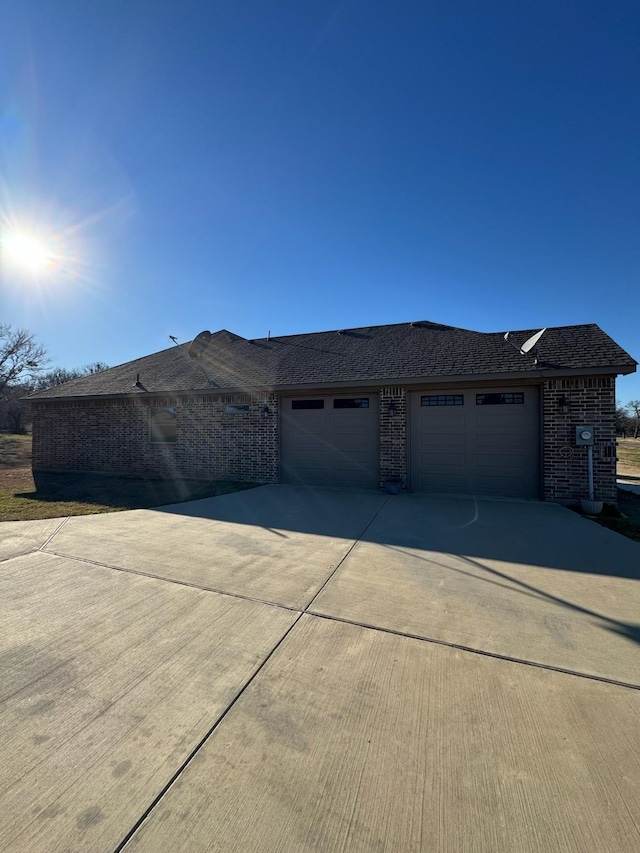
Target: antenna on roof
{"x":528,"y":345}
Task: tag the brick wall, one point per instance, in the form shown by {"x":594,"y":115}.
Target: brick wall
{"x":393,"y":435}
{"x":114,"y":436}
{"x":589,"y":400}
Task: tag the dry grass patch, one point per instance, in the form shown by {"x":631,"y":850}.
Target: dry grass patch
{"x":83,"y":494}
{"x":15,"y":451}
{"x":628,"y":454}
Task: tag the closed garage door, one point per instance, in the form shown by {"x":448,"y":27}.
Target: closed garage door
{"x":476,"y":441}
{"x":330,"y":441}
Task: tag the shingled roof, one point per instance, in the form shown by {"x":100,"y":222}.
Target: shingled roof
{"x":402,"y":352}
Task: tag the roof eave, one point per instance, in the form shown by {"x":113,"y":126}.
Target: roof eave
{"x":448,"y":379}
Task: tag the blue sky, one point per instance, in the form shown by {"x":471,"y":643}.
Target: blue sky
{"x":294,"y":167}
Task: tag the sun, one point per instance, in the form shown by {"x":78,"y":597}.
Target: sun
{"x":26,"y":253}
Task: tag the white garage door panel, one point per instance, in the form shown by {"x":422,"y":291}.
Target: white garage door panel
{"x":490,"y":449}
{"x":331,"y":446}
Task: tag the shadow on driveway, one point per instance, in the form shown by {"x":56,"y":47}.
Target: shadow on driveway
{"x":525,"y":532}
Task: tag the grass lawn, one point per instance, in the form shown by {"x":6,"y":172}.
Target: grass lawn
{"x":628,"y":454}
{"x":84,"y":494}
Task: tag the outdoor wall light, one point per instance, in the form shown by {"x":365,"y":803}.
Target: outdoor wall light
{"x":563,"y":405}
{"x":266,"y":412}
{"x":392,"y":408}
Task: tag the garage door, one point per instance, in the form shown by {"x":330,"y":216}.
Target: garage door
{"x":330,"y":441}
{"x":476,"y":441}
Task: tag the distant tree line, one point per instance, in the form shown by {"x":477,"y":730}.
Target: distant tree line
{"x":24,"y":368}
{"x":628,"y":419}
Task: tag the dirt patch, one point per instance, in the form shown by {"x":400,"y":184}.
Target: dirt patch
{"x":16,"y":479}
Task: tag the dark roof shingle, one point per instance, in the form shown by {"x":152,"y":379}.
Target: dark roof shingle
{"x":402,"y":351}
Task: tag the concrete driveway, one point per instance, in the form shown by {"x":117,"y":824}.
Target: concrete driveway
{"x":629,"y":484}
{"x":319,"y":670}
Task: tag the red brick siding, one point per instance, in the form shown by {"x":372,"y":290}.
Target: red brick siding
{"x":393,"y":435}
{"x":591,"y":400}
{"x":114,"y":436}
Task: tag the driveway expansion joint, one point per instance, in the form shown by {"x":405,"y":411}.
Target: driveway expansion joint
{"x":306,"y":610}
{"x":202,"y":741}
{"x":340,"y":562}
{"x":174,"y":581}
{"x":54,"y":534}
{"x":496,"y":655}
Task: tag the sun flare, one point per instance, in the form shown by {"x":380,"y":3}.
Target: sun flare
{"x":26,"y":253}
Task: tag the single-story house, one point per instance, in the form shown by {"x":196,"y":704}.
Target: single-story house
{"x":441,"y":409}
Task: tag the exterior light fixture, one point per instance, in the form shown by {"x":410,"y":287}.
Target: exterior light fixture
{"x":392,"y":409}
{"x":563,"y":405}
{"x":266,"y":412}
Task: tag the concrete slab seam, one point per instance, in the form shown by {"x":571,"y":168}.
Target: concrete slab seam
{"x":472,"y":650}
{"x":340,"y":562}
{"x":35,"y":549}
{"x":15,"y":557}
{"x":172,"y":581}
{"x":55,"y":533}
{"x":202,"y":742}
{"x":395,"y":632}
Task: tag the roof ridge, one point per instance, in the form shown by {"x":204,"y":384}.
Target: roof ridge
{"x":547,"y":328}
{"x":415,"y":323}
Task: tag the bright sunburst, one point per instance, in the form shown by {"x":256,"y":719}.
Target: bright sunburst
{"x":26,"y":252}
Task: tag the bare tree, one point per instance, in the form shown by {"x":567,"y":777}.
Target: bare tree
{"x":60,"y":375}
{"x":94,"y":367}
{"x":623,"y":420}
{"x":22,"y":363}
{"x":634,"y":405}
{"x":22,"y":358}
{"x":15,"y":412}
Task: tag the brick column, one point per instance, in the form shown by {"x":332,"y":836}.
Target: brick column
{"x":393,"y":435}
{"x":588,"y":400}
{"x":265,"y":424}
